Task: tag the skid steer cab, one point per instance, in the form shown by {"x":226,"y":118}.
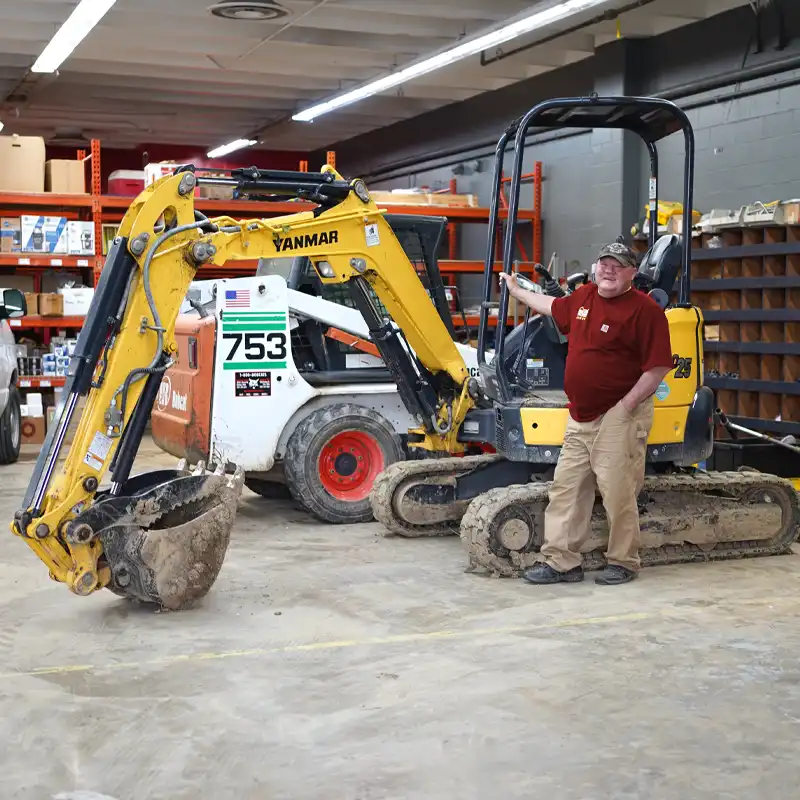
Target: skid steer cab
{"x":277,"y":373}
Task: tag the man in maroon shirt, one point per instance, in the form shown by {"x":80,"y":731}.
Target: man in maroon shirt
{"x":619,"y":352}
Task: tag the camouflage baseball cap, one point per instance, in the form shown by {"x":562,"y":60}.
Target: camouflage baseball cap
{"x":620,"y":252}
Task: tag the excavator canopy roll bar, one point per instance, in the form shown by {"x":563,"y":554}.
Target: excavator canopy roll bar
{"x":651,"y":118}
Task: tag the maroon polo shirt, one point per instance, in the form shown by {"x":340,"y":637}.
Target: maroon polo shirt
{"x":612,"y":341}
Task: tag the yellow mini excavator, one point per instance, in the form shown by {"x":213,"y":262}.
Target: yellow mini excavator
{"x":162,"y":536}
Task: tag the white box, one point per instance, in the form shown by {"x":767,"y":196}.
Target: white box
{"x":33,"y":400}
{"x":77,"y":300}
{"x":152,"y":172}
{"x":80,"y":238}
{"x":44,"y":234}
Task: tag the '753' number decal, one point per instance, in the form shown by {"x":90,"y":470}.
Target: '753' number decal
{"x":257,"y":346}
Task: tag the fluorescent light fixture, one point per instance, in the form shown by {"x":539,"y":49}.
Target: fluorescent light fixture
{"x":77,"y":27}
{"x":559,"y":11}
{"x":224,"y":149}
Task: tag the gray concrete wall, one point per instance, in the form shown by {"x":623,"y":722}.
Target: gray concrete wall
{"x":747,"y":148}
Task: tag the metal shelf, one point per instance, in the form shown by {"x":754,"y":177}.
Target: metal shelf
{"x":446,"y":265}
{"x":41,"y":261}
{"x":772,"y":425}
{"x":745,"y":251}
{"x":238,"y":207}
{"x":33,"y":321}
{"x":40,"y":381}
{"x":754,"y":315}
{"x":762,"y":282}
{"x":775,"y":387}
{"x":774,"y":348}
{"x":45,"y":200}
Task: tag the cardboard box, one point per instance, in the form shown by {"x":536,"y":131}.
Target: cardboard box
{"x":10,"y":235}
{"x":44,"y":234}
{"x":80,"y":238}
{"x":77,"y":300}
{"x":410,"y":197}
{"x":65,"y":176}
{"x":33,"y":430}
{"x":21,"y":164}
{"x":110,"y":232}
{"x":51,"y":305}
{"x":32,"y":303}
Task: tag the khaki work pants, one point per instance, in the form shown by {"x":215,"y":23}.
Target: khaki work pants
{"x":608,"y":454}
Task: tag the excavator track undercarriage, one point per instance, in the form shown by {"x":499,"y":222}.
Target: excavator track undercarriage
{"x":397,"y":505}
{"x":685,"y":517}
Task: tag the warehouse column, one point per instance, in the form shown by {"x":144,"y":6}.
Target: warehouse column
{"x":619,"y":166}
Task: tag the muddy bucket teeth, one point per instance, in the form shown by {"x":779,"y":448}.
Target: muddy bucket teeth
{"x":165,"y":538}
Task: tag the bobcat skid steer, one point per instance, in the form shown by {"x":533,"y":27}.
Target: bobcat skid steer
{"x":322,"y":436}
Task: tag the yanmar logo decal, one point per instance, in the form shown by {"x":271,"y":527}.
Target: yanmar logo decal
{"x":306,"y":241}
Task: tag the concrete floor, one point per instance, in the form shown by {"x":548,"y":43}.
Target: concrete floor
{"x":332,"y":663}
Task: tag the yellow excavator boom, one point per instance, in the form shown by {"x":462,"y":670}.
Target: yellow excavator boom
{"x":161,"y":537}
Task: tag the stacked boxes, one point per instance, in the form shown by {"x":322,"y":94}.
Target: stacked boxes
{"x":50,"y":235}
{"x":54,"y":362}
{"x":33,"y":419}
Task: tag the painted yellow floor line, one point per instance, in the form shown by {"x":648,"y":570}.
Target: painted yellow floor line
{"x":334,"y":645}
{"x":672,"y":613}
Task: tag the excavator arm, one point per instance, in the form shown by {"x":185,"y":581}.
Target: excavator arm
{"x":162,"y":536}
{"x":351,"y":243}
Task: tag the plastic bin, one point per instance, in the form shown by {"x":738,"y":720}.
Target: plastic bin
{"x":126,"y":182}
{"x":748,"y":451}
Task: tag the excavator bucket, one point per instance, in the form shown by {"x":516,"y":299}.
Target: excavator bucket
{"x":165,"y":536}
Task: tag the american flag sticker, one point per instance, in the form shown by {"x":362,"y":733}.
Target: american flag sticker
{"x":237,"y":298}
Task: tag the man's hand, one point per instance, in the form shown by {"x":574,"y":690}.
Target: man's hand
{"x":645,"y":386}
{"x":540,"y":303}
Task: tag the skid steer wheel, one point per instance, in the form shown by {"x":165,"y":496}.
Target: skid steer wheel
{"x":11,"y":428}
{"x":333,"y":457}
{"x":271,"y":490}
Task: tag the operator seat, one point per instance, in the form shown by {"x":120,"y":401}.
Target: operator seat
{"x":659,"y":268}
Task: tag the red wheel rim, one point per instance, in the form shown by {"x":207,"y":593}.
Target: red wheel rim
{"x":348,"y":465}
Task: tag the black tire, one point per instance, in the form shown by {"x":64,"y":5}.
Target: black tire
{"x":334,"y":455}
{"x":271,"y":490}
{"x":11,"y":428}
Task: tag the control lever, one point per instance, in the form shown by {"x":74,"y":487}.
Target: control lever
{"x":551,"y":286}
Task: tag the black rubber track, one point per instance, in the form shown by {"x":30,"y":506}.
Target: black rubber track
{"x":485,"y":512}
{"x":392,"y":479}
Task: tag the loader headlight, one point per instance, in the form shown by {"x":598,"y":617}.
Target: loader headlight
{"x":359,"y":265}
{"x":325,"y":269}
